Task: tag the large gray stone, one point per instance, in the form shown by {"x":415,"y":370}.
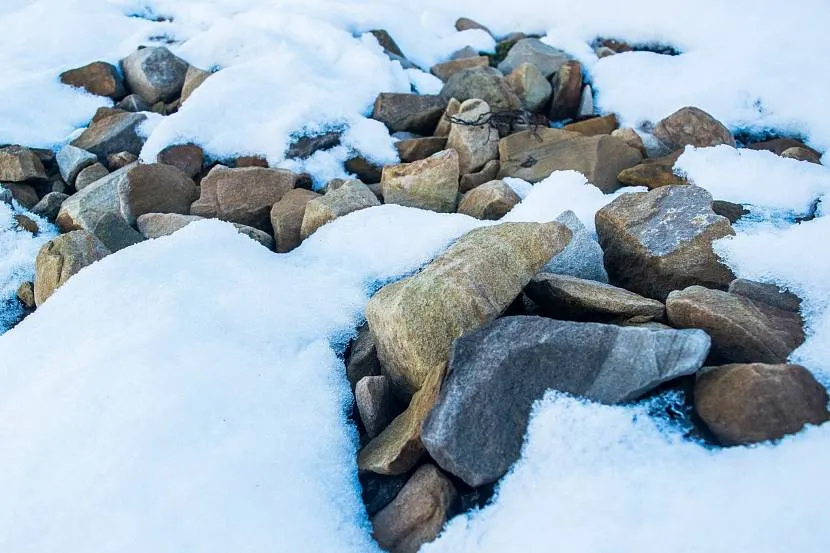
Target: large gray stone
{"x":409,"y":112}
{"x":497,"y":372}
{"x":71,"y":161}
{"x":472,"y":138}
{"x":532,"y":50}
{"x":49,"y":206}
{"x":582,"y":258}
{"x":113,"y":134}
{"x":484,"y":83}
{"x":155,"y":74}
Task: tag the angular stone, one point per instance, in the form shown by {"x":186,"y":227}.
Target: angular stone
{"x":417,"y":515}
{"x":155,"y":188}
{"x":802,"y":154}
{"x":594,"y":126}
{"x":769,"y":294}
{"x":363,"y":357}
{"x":244,"y":195}
{"x":376,"y":404}
{"x":415,"y":149}
{"x":653,"y":173}
{"x":156,"y":225}
{"x":26,"y":224}
{"x":447,"y":69}
{"x":113,"y":134}
{"x":484,"y":83}
{"x":532,"y":50}
{"x":352,"y":196}
{"x":120,"y":160}
{"x":742,"y":331}
{"x":193,"y":79}
{"x":26,"y":295}
{"x":133,"y":103}
{"x":472,"y":137}
{"x":19,"y":164}
{"x":489,"y":172}
{"x":71,"y":161}
{"x":306,"y":146}
{"x":155,"y":74}
{"x":90,"y":174}
{"x":744,"y":404}
{"x":49,"y":206}
{"x":730,"y":210}
{"x":693,"y":126}
{"x":415,"y":320}
{"x":779,"y":145}
{"x":24,"y":194}
{"x":387,"y":42}
{"x":114,"y":232}
{"x":567,"y":91}
{"x":442,"y":129}
{"x":287,"y":218}
{"x":497,"y":372}
{"x":99,"y":78}
{"x":467,"y":24}
{"x":631,"y":138}
{"x":366,"y":171}
{"x":83,"y":209}
{"x":408,"y":112}
{"x":379,"y":491}
{"x":575,"y":299}
{"x":582,"y":257}
{"x":490,"y":201}
{"x":63,"y":257}
{"x":534,"y":155}
{"x":532,"y":88}
{"x":431,"y":183}
{"x":187,"y":158}
{"x":659,"y":241}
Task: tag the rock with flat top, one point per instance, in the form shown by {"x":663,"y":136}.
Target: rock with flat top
{"x":155,"y":74}
{"x":352,"y":196}
{"x":692,"y":126}
{"x":430,"y":183}
{"x":61,"y":258}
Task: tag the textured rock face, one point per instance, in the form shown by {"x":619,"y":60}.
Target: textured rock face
{"x":765,"y":293}
{"x":90,"y":174}
{"x":49,"y":206}
{"x":594,"y":126}
{"x":287,"y":218}
{"x":187,"y":158}
{"x":99,"y":78}
{"x":447,"y":69}
{"x":431,"y":183}
{"x":155,"y":188}
{"x":442,"y":129}
{"x":155,"y":74}
{"x":744,"y":404}
{"x":532,"y":50}
{"x":18,"y":164}
{"x":418,"y":514}
{"x":472,"y":138}
{"x":86,"y":208}
{"x":63,"y":257}
{"x":490,"y":201}
{"x":567,"y":91}
{"x":415,"y":320}
{"x":693,"y":126}
{"x":532,"y":88}
{"x":496,"y":373}
{"x":484,"y":83}
{"x":243,"y":195}
{"x":582,"y":258}
{"x":659,"y":241}
{"x":653,"y":173}
{"x":113,"y":134}
{"x":471,"y":180}
{"x":193,"y":79}
{"x":409,"y":112}
{"x":352,"y":196}
{"x":743,"y":331}
{"x":71,"y":161}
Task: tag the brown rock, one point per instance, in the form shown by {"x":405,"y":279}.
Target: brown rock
{"x":287,"y":218}
{"x":431,"y":183}
{"x":731,"y":211}
{"x":449,"y":68}
{"x":155,"y":188}
{"x":19,"y":164}
{"x":99,"y":78}
{"x":769,"y":294}
{"x":187,"y":158}
{"x":779,"y":145}
{"x":352,"y":196}
{"x":387,"y":42}
{"x":631,"y":138}
{"x":24,"y":194}
{"x":532,"y":88}
{"x":744,"y":404}
{"x":414,"y":149}
{"x":490,"y":201}
{"x":250,"y":161}
{"x":693,"y":126}
{"x":445,"y":123}
{"x":90,"y":174}
{"x":120,"y":160}
{"x":489,"y":172}
{"x":595,"y":126}
{"x":365,"y":170}
{"x":26,"y":224}
{"x":802,"y":154}
{"x":408,"y":112}
{"x":466,"y":24}
{"x":118,"y":132}
{"x":63,"y":257}
{"x":653,"y":173}
{"x":567,"y":91}
{"x":156,"y":225}
{"x":193,"y":79}
{"x":26,"y":295}
{"x":472,"y":137}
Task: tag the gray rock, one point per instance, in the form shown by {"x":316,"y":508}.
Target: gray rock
{"x":532,"y":50}
{"x":305,"y":146}
{"x":409,"y":112}
{"x":586,"y":102}
{"x":49,"y":206}
{"x":363,"y":357}
{"x":497,"y":372}
{"x":378,"y":491}
{"x":19,"y":164}
{"x":71,"y":161}
{"x":376,"y":403}
{"x":769,"y":294}
{"x":6,"y":195}
{"x":155,"y":74}
{"x":134,"y":104}
{"x":484,"y":83}
{"x":156,"y":225}
{"x":113,"y":134}
{"x":582,"y":258}
{"x":114,"y":232}
{"x":532,"y":88}
{"x":90,"y":174}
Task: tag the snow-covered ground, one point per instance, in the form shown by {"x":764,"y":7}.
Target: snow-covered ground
{"x":185,"y":393}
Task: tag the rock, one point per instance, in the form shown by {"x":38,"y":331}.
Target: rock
{"x":409,"y":112}
{"x":19,"y":164}
{"x":533,"y":156}
{"x":83,"y":209}
{"x":490,"y":201}
{"x":431,"y":183}
{"x":155,"y":74}
{"x":244,"y":195}
{"x":103,"y":112}
{"x":362,"y":360}
{"x":742,"y":331}
{"x":779,"y":145}
{"x":352,"y":196}
{"x":659,"y":241}
{"x":744,"y":404}
{"x":769,"y":294}
{"x":498,"y":371}
{"x":489,"y":172}
{"x":379,"y":491}
{"x":26,"y":224}
{"x":653,"y":173}
{"x":26,"y":295}
{"x":414,"y":321}
{"x":595,"y":126}
{"x":532,"y":50}
{"x":586,"y":102}
{"x":376,"y":404}
{"x":532,"y":88}
{"x":250,"y":161}
{"x":802,"y":154}
{"x":483,"y":83}
{"x":187,"y":158}
{"x":155,"y":188}
{"x":418,"y":514}
{"x":133,"y":103}
{"x":113,"y":134}
{"x":466,"y":52}
{"x":449,"y":68}
{"x":467,"y":24}
{"x":366,"y":171}
{"x":120,"y":160}
{"x":576,"y":299}
{"x":90,"y":174}
{"x":567,"y":91}
{"x":156,"y":225}
{"x":414,"y":149}
{"x":24,"y":194}
{"x":631,"y":138}
{"x":193,"y":79}
{"x":472,"y":137}
{"x":731,"y":211}
{"x":6,"y":196}
{"x":387,"y":42}
{"x":582,"y":257}
{"x":442,"y":129}
{"x":306,"y":146}
{"x":604,"y":52}
{"x":693,"y":126}
{"x":71,"y":161}
{"x":99,"y":78}
{"x":287,"y":218}
{"x":49,"y":205}
{"x":63,"y":257}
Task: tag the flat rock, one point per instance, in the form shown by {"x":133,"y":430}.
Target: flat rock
{"x":187,"y":158}
{"x":532,"y":50}
{"x":489,"y":172}
{"x":471,"y":136}
{"x":352,"y":196}
{"x":61,"y":258}
{"x":566,"y":87}
{"x":155,"y":188}
{"x":156,"y":225}
{"x":71,"y":161}
{"x":658,"y":241}
{"x":484,"y":83}
{"x":430,"y":183}
{"x":19,"y":164}
{"x":155,"y":74}
{"x":449,"y":68}
{"x":113,"y":134}
{"x":490,"y":201}
{"x":287,"y":218}
{"x":415,"y":149}
{"x":653,"y":173}
{"x":749,"y":403}
{"x":99,"y":78}
{"x":497,"y":372}
{"x":376,"y":404}
{"x":531,"y":86}
{"x":409,"y":112}
{"x":49,"y":206}
{"x":594,"y":126}
{"x":691,"y":125}
{"x":582,"y":257}
{"x":742,"y":331}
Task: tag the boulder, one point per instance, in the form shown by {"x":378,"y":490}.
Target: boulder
{"x":155,"y":188}
{"x":442,"y":129}
{"x":653,"y":173}
{"x":187,"y":158}
{"x":376,"y":404}
{"x":306,"y":146}
{"x":582,"y":257}
{"x":22,"y":193}
{"x":120,"y":160}
{"x":532,"y":50}
{"x":742,"y":331}
{"x":156,"y":225}
{"x":71,"y":161}
{"x":63,"y":257}
{"x":26,"y":295}
{"x":749,"y":403}
{"x":243,"y":195}
{"x":417,"y":514}
{"x":19,"y":164}
{"x":415,"y":149}
{"x":693,"y":126}
{"x":409,"y":112}
{"x":83,"y":209}
{"x":414,"y":320}
{"x":133,"y":103}
{"x":630,"y":137}
{"x":193,"y":79}
{"x":49,"y":206}
{"x":362,"y":360}
{"x":532,"y":88}
{"x":472,"y":137}
{"x":497,"y":372}
{"x":430,"y":183}
{"x":566,"y":91}
{"x":90,"y":174}
{"x":484,"y":83}
{"x":449,"y":68}
{"x":594,"y":126}
{"x":287,"y":218}
{"x":99,"y":78}
{"x":352,"y":196}
{"x":769,"y":294}
{"x":155,"y":74}
{"x":113,"y":134}
{"x":658,"y":241}
{"x":490,"y":201}
{"x":489,"y":172}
